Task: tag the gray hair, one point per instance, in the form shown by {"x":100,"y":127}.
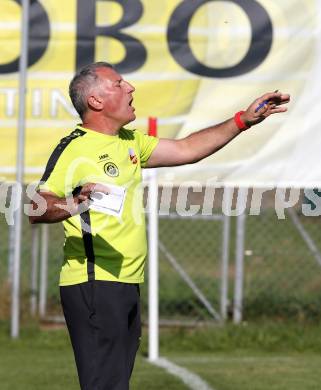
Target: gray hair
{"x":79,"y":85}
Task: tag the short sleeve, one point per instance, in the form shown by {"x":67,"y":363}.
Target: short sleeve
{"x":58,"y":177}
{"x":55,"y":183}
{"x":147,"y":144}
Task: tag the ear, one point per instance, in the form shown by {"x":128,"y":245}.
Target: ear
{"x":94,"y":102}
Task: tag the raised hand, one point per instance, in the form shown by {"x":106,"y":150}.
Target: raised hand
{"x":266,"y":105}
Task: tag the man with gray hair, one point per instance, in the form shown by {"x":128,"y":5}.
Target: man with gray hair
{"x":90,"y":184}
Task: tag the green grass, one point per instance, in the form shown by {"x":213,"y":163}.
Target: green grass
{"x":269,"y":337}
{"x":42,"y":360}
{"x":271,"y":356}
{"x":248,"y":371}
{"x":261,"y":356}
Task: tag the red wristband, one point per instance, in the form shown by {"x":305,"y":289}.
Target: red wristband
{"x":238,"y":121}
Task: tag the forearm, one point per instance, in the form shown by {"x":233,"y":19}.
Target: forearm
{"x":208,"y":141}
{"x":205,"y":142}
{"x":53,"y":209}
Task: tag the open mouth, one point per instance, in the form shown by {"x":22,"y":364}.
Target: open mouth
{"x":130,"y":103}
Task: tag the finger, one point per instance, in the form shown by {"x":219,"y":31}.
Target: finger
{"x":87,"y":190}
{"x":101,"y":188}
{"x":88,"y":187}
{"x":279,"y":103}
{"x":270,"y":95}
{"x":82,"y":197}
{"x":278,"y":109}
{"x":284,"y":98}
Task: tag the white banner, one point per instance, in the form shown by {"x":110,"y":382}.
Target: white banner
{"x":193,"y":63}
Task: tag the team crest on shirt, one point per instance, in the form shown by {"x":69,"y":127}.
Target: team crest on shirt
{"x":132,"y":155}
{"x":111,"y":169}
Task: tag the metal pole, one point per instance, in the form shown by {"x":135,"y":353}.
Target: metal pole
{"x":239,"y":259}
{"x":43,"y":271}
{"x":153,"y":341}
{"x":153,"y":314}
{"x":225,"y":257}
{"x":34,"y":269}
{"x":23,"y":65}
{"x":11,"y":248}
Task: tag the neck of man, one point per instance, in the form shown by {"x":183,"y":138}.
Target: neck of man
{"x":102,"y":124}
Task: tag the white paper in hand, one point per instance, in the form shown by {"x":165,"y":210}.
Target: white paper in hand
{"x":111,"y":203}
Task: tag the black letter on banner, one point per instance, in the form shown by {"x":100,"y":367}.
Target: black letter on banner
{"x":39,"y":35}
{"x":87,"y":32}
{"x":261,"y":40}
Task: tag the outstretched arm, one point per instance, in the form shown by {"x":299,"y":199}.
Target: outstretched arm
{"x":205,"y":142}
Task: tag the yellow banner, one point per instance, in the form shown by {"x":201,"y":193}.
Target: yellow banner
{"x":193,"y":63}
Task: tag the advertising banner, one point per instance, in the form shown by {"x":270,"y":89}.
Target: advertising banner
{"x":193,"y":63}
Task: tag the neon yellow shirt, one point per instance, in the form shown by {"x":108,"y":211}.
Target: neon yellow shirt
{"x":110,"y":247}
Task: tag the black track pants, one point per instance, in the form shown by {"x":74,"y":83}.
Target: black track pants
{"x":103,"y":319}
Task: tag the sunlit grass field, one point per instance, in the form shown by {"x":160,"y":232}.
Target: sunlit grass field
{"x":249,"y":357}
